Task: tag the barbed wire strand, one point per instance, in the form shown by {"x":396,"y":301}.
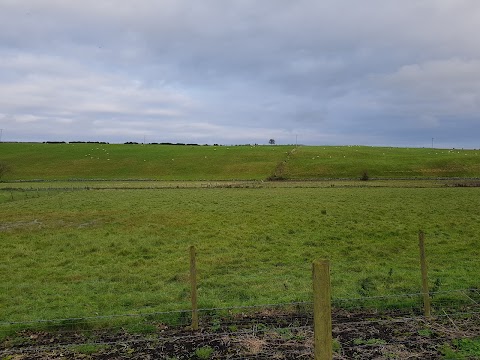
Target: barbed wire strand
{"x":157,"y":313}
{"x":253,"y":330}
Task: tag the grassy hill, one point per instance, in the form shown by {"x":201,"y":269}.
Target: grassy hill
{"x":381,"y":162}
{"x":29,"y":161}
{"x":159,"y":162}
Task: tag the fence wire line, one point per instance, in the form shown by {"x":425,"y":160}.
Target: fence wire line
{"x":249,"y":323}
{"x":444,"y":292}
{"x":245,"y":307}
{"x":103,"y":317}
{"x":336,"y":322}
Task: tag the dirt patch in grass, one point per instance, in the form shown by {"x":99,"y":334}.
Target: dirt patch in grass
{"x":271,"y":335}
{"x":20,"y":224}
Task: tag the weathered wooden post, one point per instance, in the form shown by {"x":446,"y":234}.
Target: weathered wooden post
{"x":193,"y":282}
{"x":423,"y":265}
{"x":322,"y":310}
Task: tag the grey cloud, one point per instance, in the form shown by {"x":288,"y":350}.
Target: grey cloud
{"x":451,"y":85}
{"x":340,"y":71}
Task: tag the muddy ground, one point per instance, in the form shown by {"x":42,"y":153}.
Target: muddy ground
{"x":266,"y":335}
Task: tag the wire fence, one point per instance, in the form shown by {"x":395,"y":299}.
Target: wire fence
{"x":395,"y":326}
{"x":362,"y":328}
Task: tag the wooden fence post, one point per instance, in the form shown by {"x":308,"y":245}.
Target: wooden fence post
{"x":322,"y":310}
{"x":193,"y":282}
{"x":423,"y":265}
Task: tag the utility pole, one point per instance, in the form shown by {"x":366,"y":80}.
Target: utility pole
{"x":432,"y":143}
{"x":1,"y":132}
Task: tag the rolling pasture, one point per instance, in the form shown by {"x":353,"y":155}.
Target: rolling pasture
{"x":209,"y":163}
{"x":140,"y":162}
{"x":319,"y":162}
{"x":117,"y":250}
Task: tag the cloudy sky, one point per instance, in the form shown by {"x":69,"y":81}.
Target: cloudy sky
{"x":334,"y":72}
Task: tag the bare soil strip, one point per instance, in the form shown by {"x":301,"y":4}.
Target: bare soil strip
{"x":266,"y":335}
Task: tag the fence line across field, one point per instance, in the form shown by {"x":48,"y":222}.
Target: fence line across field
{"x":322,"y":300}
{"x":321,"y":305}
{"x":146,"y":314}
{"x":247,"y":307}
{"x":253,"y":331}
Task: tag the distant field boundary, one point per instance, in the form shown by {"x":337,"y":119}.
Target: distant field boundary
{"x":135,"y":184}
{"x":284,"y":180}
{"x":244,"y":181}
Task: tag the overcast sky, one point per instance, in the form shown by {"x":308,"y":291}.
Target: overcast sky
{"x":334,"y":72}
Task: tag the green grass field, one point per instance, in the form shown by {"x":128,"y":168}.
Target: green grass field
{"x":352,"y":161}
{"x":159,"y":162}
{"x":81,"y":253}
{"x":164,"y":162}
{"x":85,"y":248}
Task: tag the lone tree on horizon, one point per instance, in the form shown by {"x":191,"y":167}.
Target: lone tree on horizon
{"x":271,"y":141}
